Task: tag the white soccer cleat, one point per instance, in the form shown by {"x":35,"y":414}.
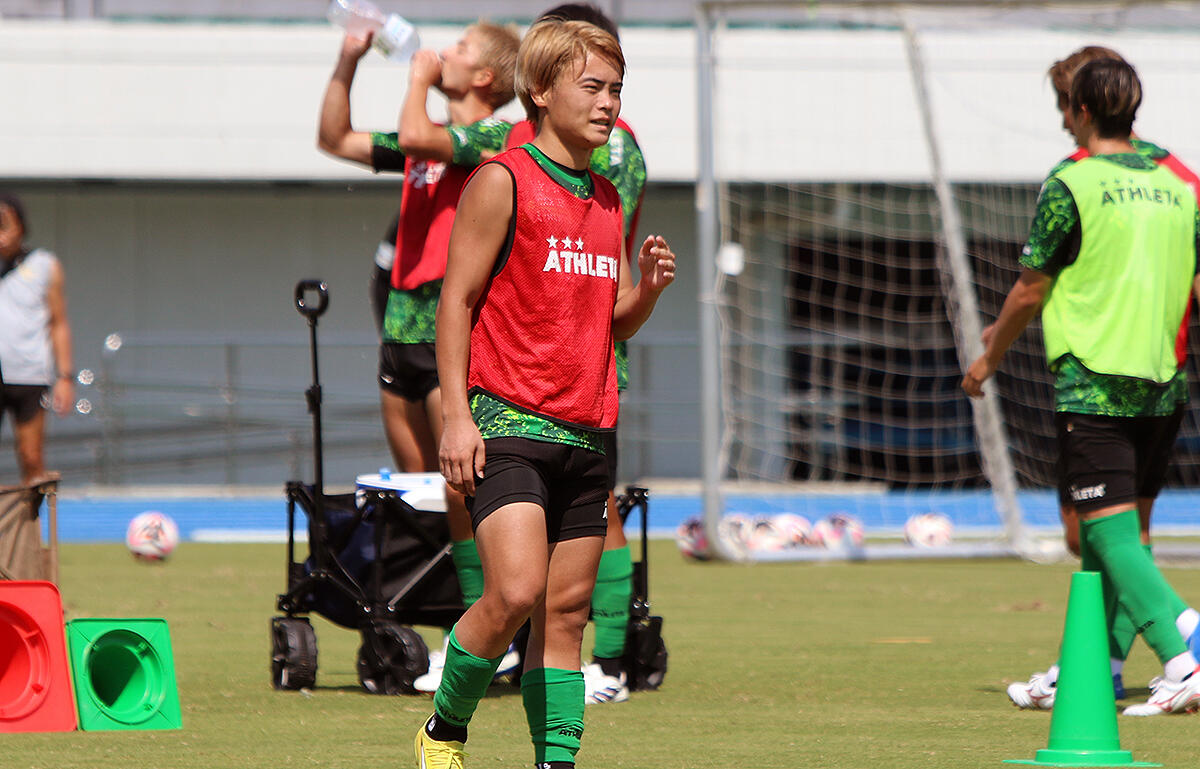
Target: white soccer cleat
{"x":430,"y":681}
{"x":509,"y":663}
{"x":1169,"y":697}
{"x":1034,"y":694}
{"x":599,"y":687}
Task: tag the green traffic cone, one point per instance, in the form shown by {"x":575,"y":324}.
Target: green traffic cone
{"x":1083,"y":726}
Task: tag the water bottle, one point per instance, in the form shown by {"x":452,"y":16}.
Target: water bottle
{"x":395,"y":38}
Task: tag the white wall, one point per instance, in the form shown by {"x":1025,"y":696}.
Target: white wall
{"x":239,"y":102}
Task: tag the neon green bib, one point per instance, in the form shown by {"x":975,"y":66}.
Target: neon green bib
{"x":1119,"y":306}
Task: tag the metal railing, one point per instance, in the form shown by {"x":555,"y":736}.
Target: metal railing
{"x":181,"y":409}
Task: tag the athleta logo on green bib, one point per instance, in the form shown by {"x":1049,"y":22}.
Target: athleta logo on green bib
{"x":1124,"y":191}
{"x":577,"y":261}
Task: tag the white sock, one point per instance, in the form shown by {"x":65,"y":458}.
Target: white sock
{"x":1179,"y":667}
{"x":1187,"y":622}
{"x":1117,"y":665}
{"x":1051,"y":677}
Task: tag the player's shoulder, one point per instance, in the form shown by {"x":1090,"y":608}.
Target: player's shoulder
{"x":42,"y":256}
{"x":520,"y":133}
{"x":511,"y":157}
{"x":1149,"y":149}
{"x":1074,"y":158}
{"x":625,"y":128}
{"x":492,"y":183}
{"x":622,"y":142}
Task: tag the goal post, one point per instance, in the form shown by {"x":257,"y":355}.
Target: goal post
{"x":840,"y":302}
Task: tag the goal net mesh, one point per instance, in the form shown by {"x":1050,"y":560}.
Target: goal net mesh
{"x":836,"y":302}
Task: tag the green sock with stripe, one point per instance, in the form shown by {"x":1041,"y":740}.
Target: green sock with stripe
{"x":553,"y":700}
{"x":1138,"y":584}
{"x":610,"y":602}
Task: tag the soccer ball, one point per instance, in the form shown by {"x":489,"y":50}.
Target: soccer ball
{"x":737,"y":528}
{"x":928,"y":530}
{"x":690,"y":539}
{"x":838,"y":530}
{"x":796,"y":530}
{"x":764,"y":535}
{"x":151,"y":536}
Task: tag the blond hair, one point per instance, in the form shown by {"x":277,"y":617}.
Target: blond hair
{"x":551,"y":46}
{"x":1062,"y":72}
{"x":498,"y":52}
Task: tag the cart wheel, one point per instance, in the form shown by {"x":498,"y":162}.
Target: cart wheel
{"x":391,"y":657}
{"x":293,"y":653}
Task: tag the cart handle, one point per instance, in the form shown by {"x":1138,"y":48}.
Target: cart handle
{"x":302,"y":306}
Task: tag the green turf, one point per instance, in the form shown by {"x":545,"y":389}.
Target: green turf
{"x":841,"y":666}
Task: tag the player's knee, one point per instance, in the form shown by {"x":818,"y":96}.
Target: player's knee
{"x":516,"y":600}
{"x":575,"y":601}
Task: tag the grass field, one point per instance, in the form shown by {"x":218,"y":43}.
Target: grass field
{"x":844,"y":666}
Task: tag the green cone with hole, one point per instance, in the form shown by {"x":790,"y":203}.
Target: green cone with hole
{"x":124,"y":674}
{"x":1083,"y":726}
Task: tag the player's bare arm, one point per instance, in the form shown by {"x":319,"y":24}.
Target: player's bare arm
{"x":335,"y":134}
{"x":656,"y":263}
{"x":1023,"y":303}
{"x":419,"y":136}
{"x":480,"y":228}
{"x":62,"y":394}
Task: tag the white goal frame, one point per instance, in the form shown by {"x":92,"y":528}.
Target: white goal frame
{"x":954,"y":265}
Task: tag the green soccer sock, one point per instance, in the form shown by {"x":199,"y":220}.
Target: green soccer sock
{"x":610,"y":602}
{"x":553,"y":701}
{"x":1138,"y":584}
{"x":1121,"y":633}
{"x":469,"y":568}
{"x":1121,"y":630}
{"x":465,"y":680}
{"x":1178,"y":606}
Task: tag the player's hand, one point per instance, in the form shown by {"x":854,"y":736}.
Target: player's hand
{"x":62,"y":396}
{"x":987,"y":335}
{"x":461,"y":456}
{"x":656,"y":262}
{"x":355,"y":47}
{"x":978,"y":373}
{"x":425,"y":68}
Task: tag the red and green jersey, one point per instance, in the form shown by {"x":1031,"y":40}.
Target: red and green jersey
{"x":1054,"y":244}
{"x":422,"y":230}
{"x":541,"y":339}
{"x":621,"y":162}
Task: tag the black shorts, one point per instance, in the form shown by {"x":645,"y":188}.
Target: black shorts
{"x":1105,"y":461}
{"x":22,"y":401}
{"x":610,"y":457}
{"x":568,"y":482}
{"x":408,"y":370}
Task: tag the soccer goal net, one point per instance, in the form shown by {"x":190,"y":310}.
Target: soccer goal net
{"x":868,"y":175}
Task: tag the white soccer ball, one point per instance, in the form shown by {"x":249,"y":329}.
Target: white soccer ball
{"x":736,"y":528}
{"x":838,"y":530}
{"x":796,"y":530}
{"x":690,"y":539}
{"x":765,"y":536}
{"x":152,"y":536}
{"x":928,"y":530}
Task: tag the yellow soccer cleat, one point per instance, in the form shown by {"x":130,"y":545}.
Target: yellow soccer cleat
{"x":434,"y":754}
